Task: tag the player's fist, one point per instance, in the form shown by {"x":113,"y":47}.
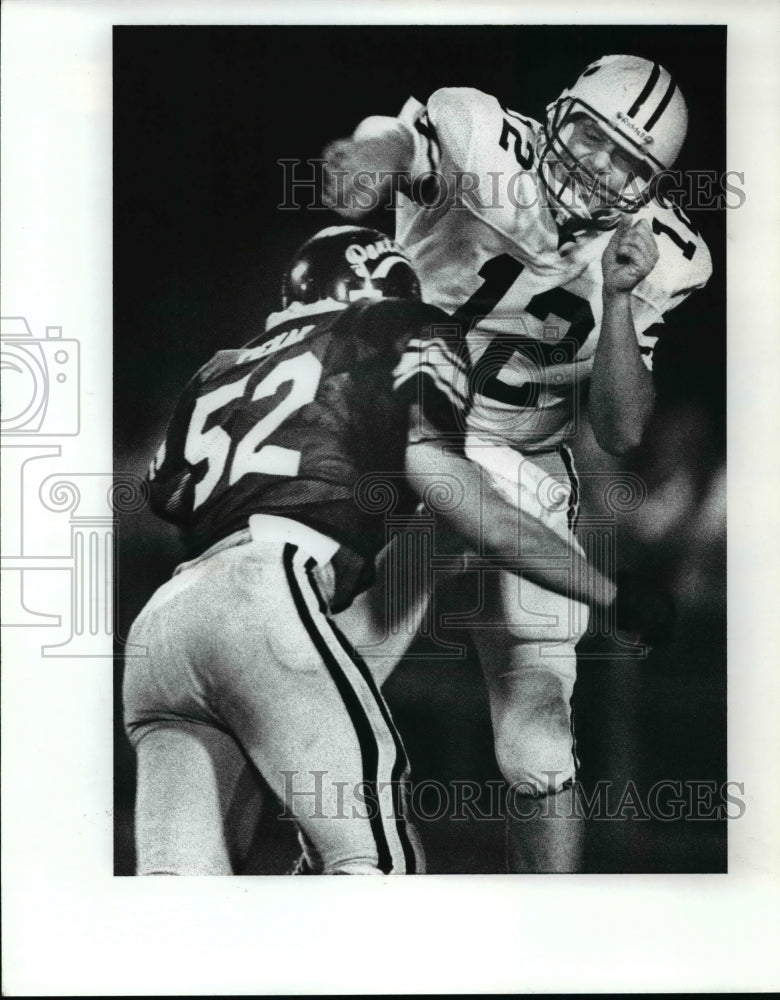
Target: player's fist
{"x":645,"y":609}
{"x":630,"y":256}
{"x":359,"y":170}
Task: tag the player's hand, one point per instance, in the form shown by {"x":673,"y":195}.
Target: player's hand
{"x":645,"y":609}
{"x":630,"y":256}
{"x":351,"y":182}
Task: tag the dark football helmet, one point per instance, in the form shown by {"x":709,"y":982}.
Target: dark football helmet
{"x":346,"y":263}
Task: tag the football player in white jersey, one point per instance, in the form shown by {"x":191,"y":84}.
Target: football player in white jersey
{"x":551,"y":247}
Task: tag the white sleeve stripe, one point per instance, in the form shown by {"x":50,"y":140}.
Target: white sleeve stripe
{"x":423,"y":346}
{"x":454,"y":395}
{"x":422,"y":363}
{"x":409,"y":365}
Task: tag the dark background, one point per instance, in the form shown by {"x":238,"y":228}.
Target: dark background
{"x":201,"y":117}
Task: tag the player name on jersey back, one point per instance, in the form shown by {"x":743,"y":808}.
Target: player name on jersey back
{"x":285,"y":339}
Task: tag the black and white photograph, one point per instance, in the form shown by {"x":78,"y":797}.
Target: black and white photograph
{"x":538,"y":683}
{"x":376,"y":398}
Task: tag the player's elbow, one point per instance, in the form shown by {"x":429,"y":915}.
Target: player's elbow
{"x":361,"y":170}
{"x":620,"y":430}
{"x":618,"y":443}
{"x":620,"y":440}
{"x":387,"y":141}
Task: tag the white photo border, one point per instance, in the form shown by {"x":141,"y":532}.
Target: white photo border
{"x":71,"y":927}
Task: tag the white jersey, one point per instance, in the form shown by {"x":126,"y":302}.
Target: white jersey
{"x":488,"y":252}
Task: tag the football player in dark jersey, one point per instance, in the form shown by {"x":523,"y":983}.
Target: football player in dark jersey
{"x":270,"y":468}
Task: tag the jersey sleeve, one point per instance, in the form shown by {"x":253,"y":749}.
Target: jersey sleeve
{"x":432,"y":380}
{"x":684,"y":265}
{"x":169,"y":477}
{"x":470,"y":149}
{"x":459,"y":129}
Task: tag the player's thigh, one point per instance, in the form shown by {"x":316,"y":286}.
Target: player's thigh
{"x":529,"y":662}
{"x":511,"y":609}
{"x":198,"y":800}
{"x":175,"y":655}
{"x":525,"y":639}
{"x":310,"y":716}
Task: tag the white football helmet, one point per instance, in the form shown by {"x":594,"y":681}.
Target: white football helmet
{"x":639,"y":108}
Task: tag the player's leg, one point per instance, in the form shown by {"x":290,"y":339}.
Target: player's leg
{"x":526,"y":636}
{"x":197,"y":802}
{"x":308,"y":713}
{"x":530,"y":671}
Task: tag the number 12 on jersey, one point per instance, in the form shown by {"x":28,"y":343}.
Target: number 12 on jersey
{"x":499,"y":274}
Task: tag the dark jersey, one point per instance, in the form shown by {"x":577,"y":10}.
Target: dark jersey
{"x":308,"y":422}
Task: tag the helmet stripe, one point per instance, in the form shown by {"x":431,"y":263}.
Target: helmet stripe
{"x":662,"y":106}
{"x":652,"y":80}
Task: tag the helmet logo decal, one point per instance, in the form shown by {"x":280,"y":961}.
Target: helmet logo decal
{"x":383,"y":267}
{"x":632,"y":125}
{"x":341,"y":263}
{"x":357,"y":256}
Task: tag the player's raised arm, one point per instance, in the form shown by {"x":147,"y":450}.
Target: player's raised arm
{"x":621,"y":393}
{"x":362,"y":168}
{"x":456,"y":131}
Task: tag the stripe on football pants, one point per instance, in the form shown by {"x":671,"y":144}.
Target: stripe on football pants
{"x":299,"y":582}
{"x":400,"y":772}
{"x":573,"y":512}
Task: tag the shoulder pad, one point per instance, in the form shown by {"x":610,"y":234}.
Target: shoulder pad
{"x":462,"y":101}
